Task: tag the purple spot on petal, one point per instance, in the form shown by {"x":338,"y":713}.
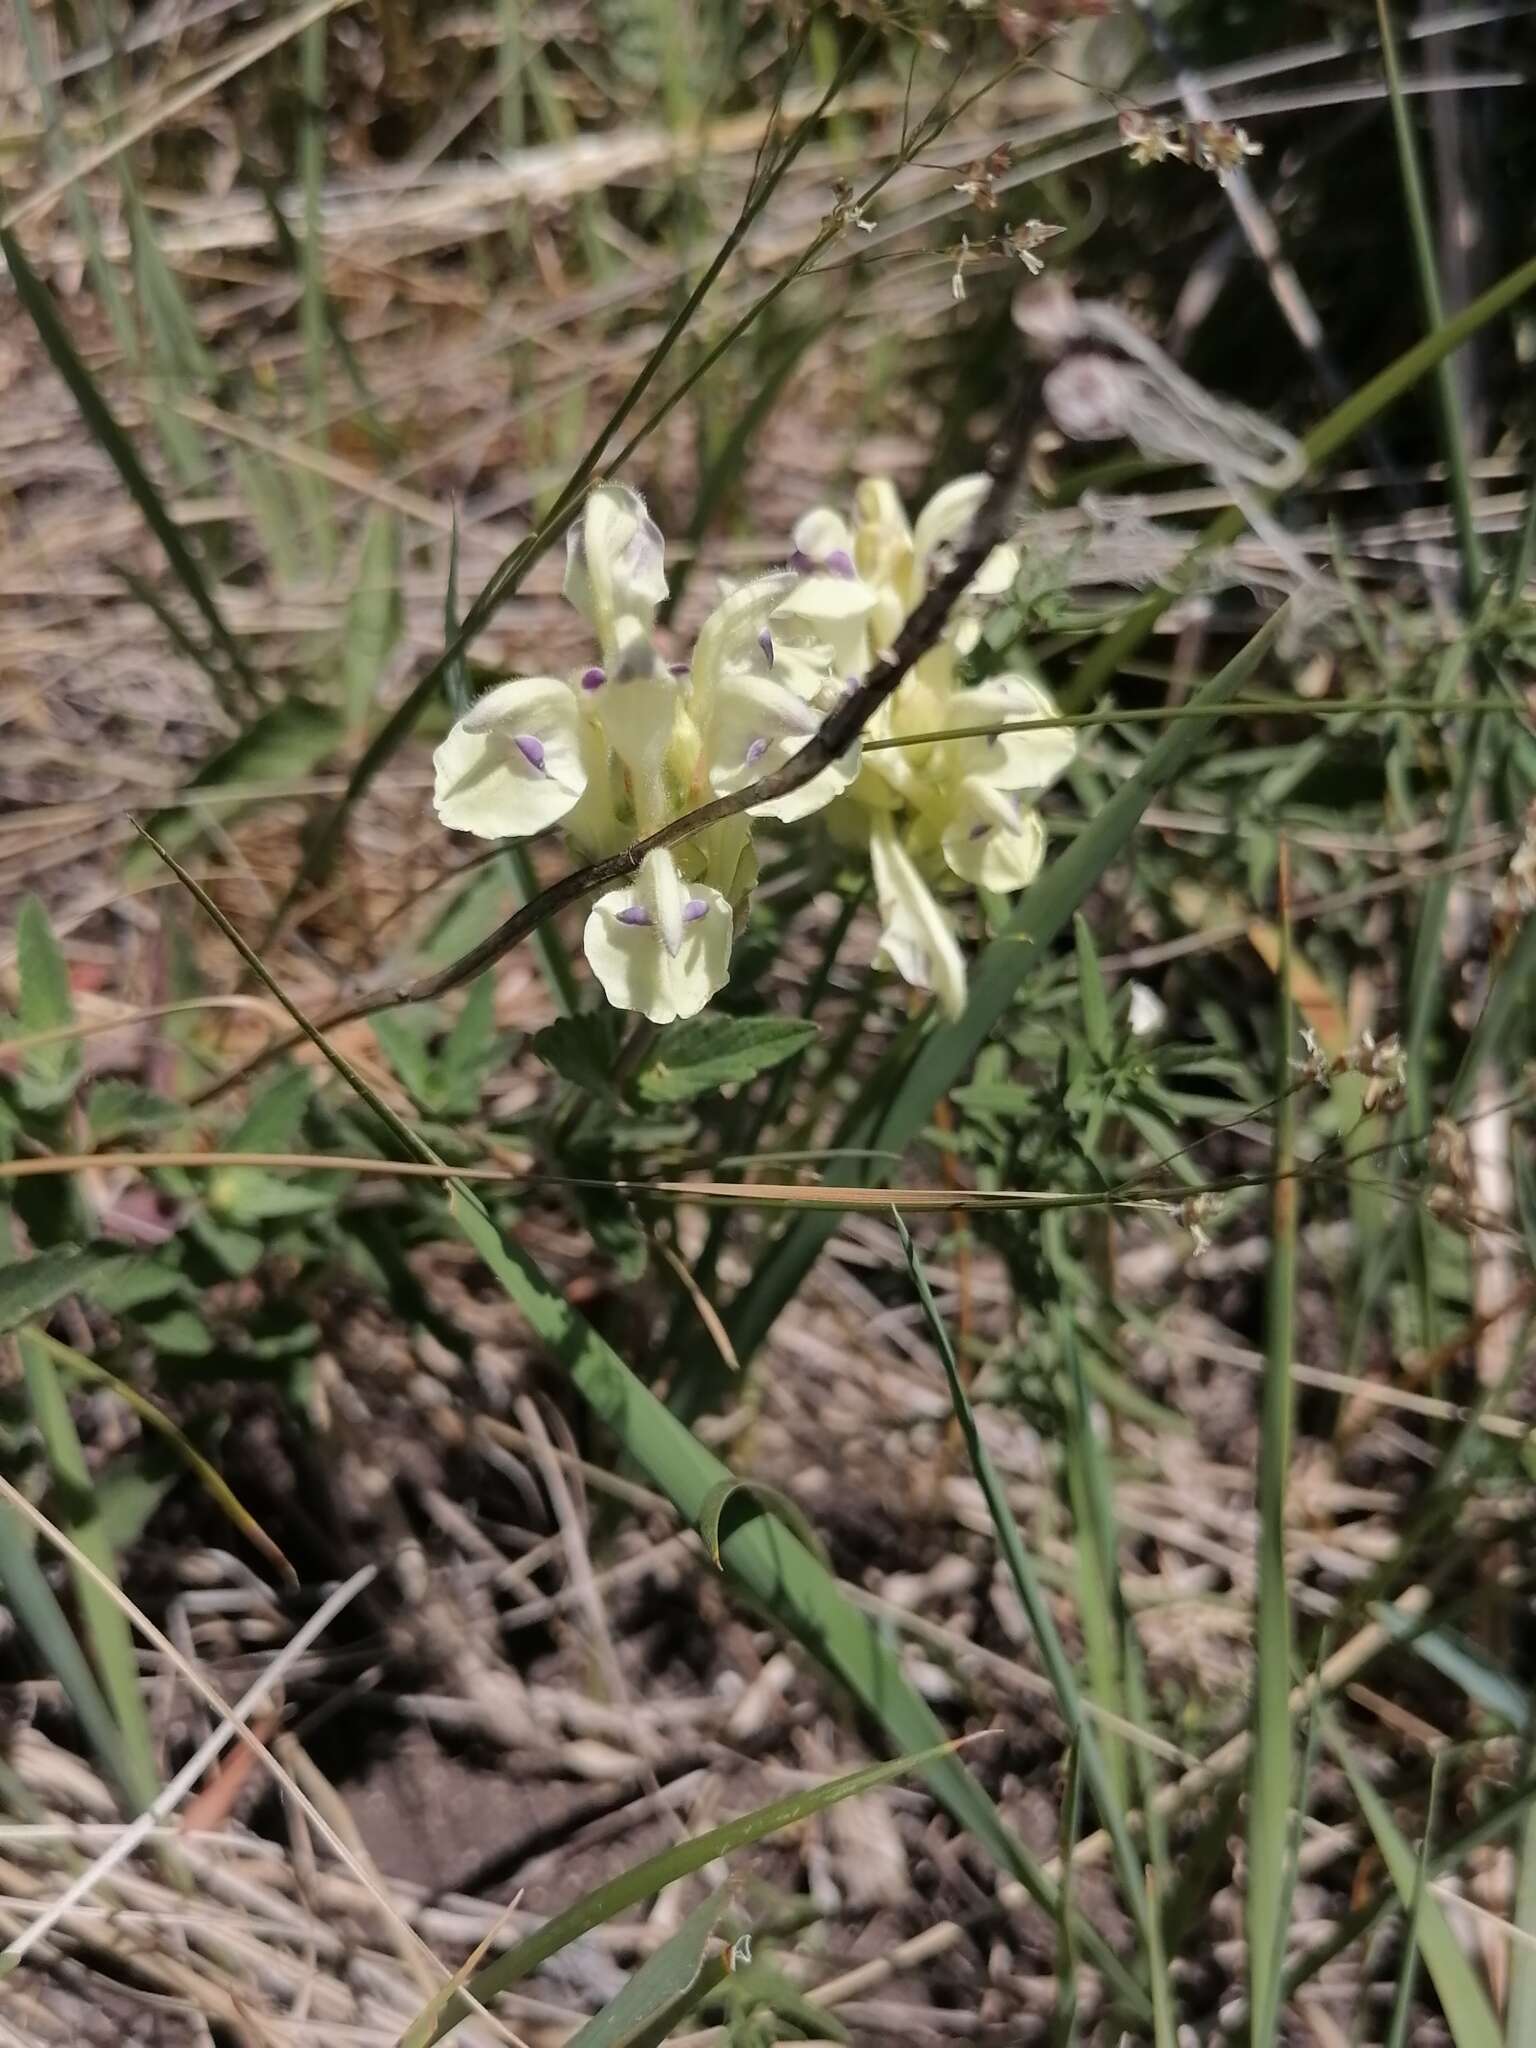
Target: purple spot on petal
{"x":593,"y":678}
{"x":677,"y":668}
{"x":765,"y":641}
{"x":694,"y":909}
{"x":978,"y":832}
{"x":532,"y":750}
{"x":801,"y":563}
{"x":756,"y":751}
{"x":840,"y":563}
{"x":635,"y":914}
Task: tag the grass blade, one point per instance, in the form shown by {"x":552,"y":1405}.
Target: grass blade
{"x":644,"y":1880}
{"x":107,"y":430}
{"x":665,"y":1986}
{"x":1027,"y":1585}
{"x":1269,"y":1789}
{"x":1467,"y":2011}
{"x":105,"y":1625}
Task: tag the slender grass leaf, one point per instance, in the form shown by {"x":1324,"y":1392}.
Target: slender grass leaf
{"x":1128,"y":1866}
{"x":1467,"y":2011}
{"x":1408,"y":1965}
{"x":49,"y":1073}
{"x":375,"y":616}
{"x":213,"y":1484}
{"x":107,"y":430}
{"x":1520,"y":2019}
{"x":1273,"y":1760}
{"x":644,"y":1880}
{"x":34,"y":1604}
{"x":106,"y":1627}
{"x":660,"y":1989}
{"x":719,"y":1497}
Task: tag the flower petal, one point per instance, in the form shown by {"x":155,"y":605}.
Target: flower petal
{"x":733,"y":629}
{"x":831,"y":612}
{"x":512,"y":765}
{"x":1010,"y":760}
{"x":916,"y":933}
{"x":615,"y":561}
{"x":637,"y":972}
{"x":946,"y":520}
{"x":993,"y":841}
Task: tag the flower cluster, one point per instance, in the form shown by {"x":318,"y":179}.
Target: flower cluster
{"x":621,"y":747}
{"x":626,"y":744}
{"x":945,"y":800}
{"x":1215,"y":146}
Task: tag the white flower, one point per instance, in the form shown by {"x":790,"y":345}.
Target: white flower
{"x":916,"y":933}
{"x":1149,"y":1013}
{"x":513,"y":763}
{"x":662,"y":946}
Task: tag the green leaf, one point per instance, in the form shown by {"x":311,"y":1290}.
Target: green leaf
{"x":469,"y":1050}
{"x":116,"y":1109}
{"x":181,"y":1334}
{"x":49,"y":1072}
{"x":581,"y":1050}
{"x":1467,"y":2011}
{"x":661,"y":1983}
{"x":35,"y":1605}
{"x":1097,"y":1028}
{"x":105,"y":1626}
{"x":766,"y":1496}
{"x":375,"y":615}
{"x":644,"y":1880}
{"x":29,"y":1288}
{"x":402,"y":1037}
{"x":280,"y":746}
{"x":275,"y":1120}
{"x":712,"y":1052}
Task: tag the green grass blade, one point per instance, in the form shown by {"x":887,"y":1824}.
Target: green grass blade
{"x":1408,"y":1966}
{"x":1453,"y":432}
{"x":665,"y":1986}
{"x":1520,"y":2019}
{"x":108,"y":432}
{"x":106,"y":1626}
{"x":1465,"y":2003}
{"x":375,"y":616}
{"x":644,"y":1880}
{"x":314,"y":323}
{"x":1273,"y":1765}
{"x":32,"y":1601}
{"x":1026,"y":1582}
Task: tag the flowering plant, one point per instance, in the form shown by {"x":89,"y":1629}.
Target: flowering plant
{"x":622,"y":747}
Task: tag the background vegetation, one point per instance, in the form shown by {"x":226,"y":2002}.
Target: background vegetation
{"x":485,"y":1485}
